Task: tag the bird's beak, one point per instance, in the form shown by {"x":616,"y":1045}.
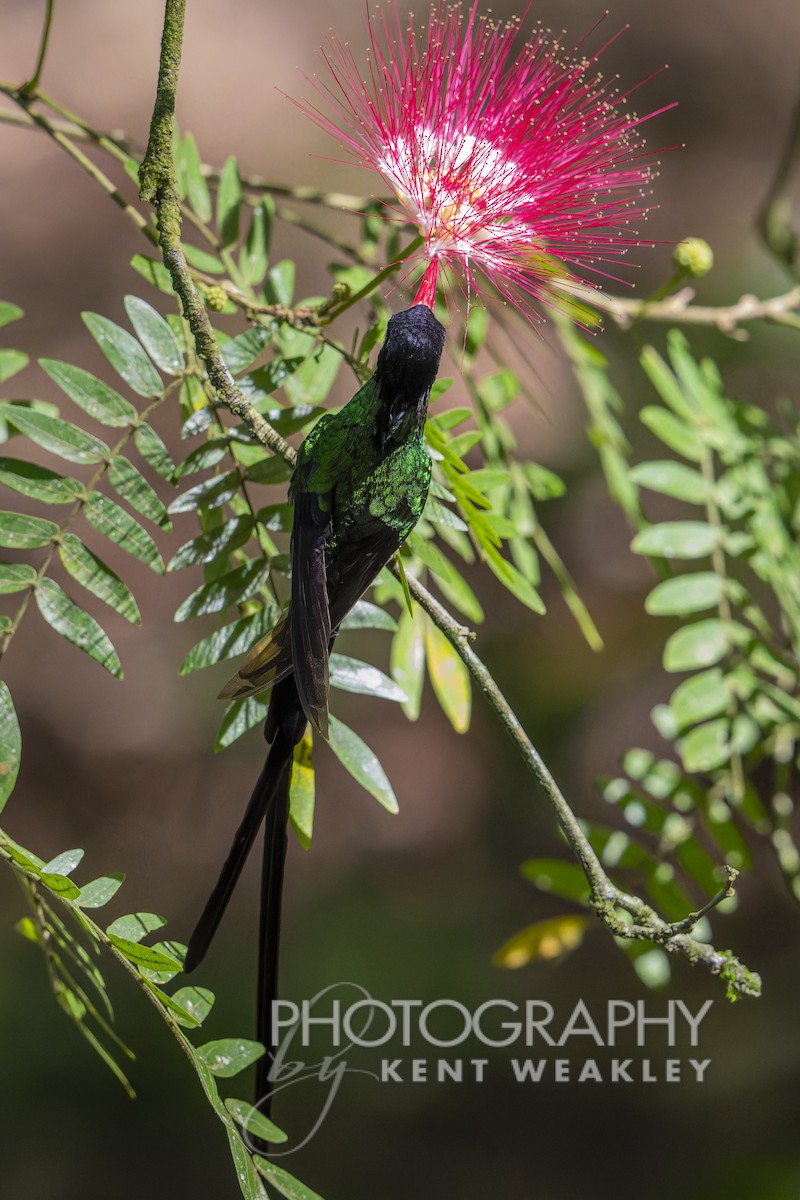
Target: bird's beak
{"x":427,"y":288}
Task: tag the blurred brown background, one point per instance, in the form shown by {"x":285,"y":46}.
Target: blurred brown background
{"x":413,"y":905}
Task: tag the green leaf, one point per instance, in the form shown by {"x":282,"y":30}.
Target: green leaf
{"x":653,"y":968}
{"x":301,"y":792}
{"x":365,"y":615}
{"x":64,"y":863}
{"x":449,"y":677}
{"x":311,"y":382}
{"x":673,"y":433}
{"x":180,"y":1014}
{"x":229,"y":203}
{"x":11,"y":363}
{"x":100,"y":891}
{"x":129,"y":483}
{"x":244,"y":349}
{"x":125,"y":354}
{"x":685,"y":594}
{"x":196,"y":402}
{"x":38,"y":483}
{"x":135,"y":926}
{"x":203,"y":457}
{"x":513,"y":579}
{"x":229,"y":1056}
{"x":10,"y":745}
{"x":154,"y":272}
{"x":176,"y":952}
{"x":240,"y":716}
{"x":554,"y":875}
{"x":676,"y":539}
{"x":232,"y":588}
{"x":122,"y":529}
{"x":26,"y":928}
{"x":706,"y":747}
{"x":356,"y":756}
{"x":144,"y":956}
{"x":20,"y":532}
{"x":211,"y":546}
{"x":55,"y":435}
{"x":59,"y":885}
{"x":228,"y":642}
{"x":93,"y":574}
{"x":196,"y":1001}
{"x":351,"y":675}
{"x":202,"y":260}
{"x":699,"y":864}
{"x":499,"y":390}
{"x":697,"y":646}
{"x":154,"y":452}
{"x":211,"y":493}
{"x":285,"y":1183}
{"x":450,"y":582}
{"x":665,"y":383}
{"x":279,"y":284}
{"x":250,"y":1182}
{"x":155,"y":335}
{"x":672,"y":479}
{"x":9,"y":313}
{"x":15,"y":577}
{"x":253,"y":258}
{"x":25,"y":858}
{"x":440,"y":514}
{"x":91,"y":394}
{"x":76,"y":626}
{"x":703,"y":696}
{"x":194,"y":180}
{"x":408,"y":662}
{"x":257,"y":1125}
{"x":264,"y":380}
{"x":268,"y":470}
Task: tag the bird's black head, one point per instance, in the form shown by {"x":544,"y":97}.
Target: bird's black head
{"x":409,"y":358}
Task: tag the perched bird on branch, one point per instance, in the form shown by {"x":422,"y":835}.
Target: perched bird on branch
{"x":359,"y":488}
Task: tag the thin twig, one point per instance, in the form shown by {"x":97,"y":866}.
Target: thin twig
{"x":28,"y":90}
{"x":157,"y":184}
{"x":86,"y":164}
{"x":728,"y":318}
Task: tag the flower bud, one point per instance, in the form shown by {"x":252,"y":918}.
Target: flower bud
{"x":694,"y":256}
{"x":216,"y":298}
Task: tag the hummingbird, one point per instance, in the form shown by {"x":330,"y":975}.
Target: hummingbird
{"x":359,"y":487}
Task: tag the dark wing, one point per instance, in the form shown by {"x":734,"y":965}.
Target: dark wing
{"x":309,"y":616}
{"x":358,"y":560}
{"x":354,"y":568}
{"x":269,"y":661}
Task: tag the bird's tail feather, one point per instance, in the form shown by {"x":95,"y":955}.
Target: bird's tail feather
{"x":285,"y":727}
{"x":275,"y":843}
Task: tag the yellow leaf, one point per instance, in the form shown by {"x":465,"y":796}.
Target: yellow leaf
{"x":449,"y":677}
{"x":301,"y":794}
{"x":545,"y":940}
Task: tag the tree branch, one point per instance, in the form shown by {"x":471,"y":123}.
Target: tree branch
{"x":157,"y":179}
{"x":728,"y":318}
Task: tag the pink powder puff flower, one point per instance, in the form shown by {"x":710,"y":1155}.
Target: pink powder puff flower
{"x":518,"y":161}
